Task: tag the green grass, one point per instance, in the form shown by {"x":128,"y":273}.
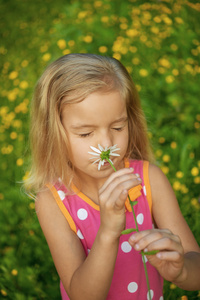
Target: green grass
{"x":158,"y":41}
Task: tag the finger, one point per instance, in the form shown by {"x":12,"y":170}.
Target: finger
{"x":170,"y":256}
{"x":145,"y":238}
{"x":119,"y":203}
{"x":115,"y":175}
{"x":165,"y":243}
{"x":115,"y":188}
{"x":120,"y":182}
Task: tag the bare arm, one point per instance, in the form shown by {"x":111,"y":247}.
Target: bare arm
{"x":179,"y":257}
{"x":87,"y":278}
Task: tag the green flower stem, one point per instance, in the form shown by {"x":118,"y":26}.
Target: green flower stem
{"x":137,"y":230}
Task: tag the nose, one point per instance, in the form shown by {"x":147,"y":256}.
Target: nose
{"x":106,"y":139}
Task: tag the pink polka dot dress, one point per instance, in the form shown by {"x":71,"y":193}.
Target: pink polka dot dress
{"x":83,"y":216}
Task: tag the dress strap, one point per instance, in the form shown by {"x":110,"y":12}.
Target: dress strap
{"x":147,"y":184}
{"x":62,"y":207}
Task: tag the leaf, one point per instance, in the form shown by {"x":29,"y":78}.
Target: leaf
{"x":153,"y":252}
{"x":129,"y":230}
{"x":134,"y":203}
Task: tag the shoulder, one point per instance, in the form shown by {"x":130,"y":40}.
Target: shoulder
{"x":162,"y":192}
{"x":49,"y":214}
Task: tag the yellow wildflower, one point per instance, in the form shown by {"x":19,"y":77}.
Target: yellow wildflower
{"x":131,"y":32}
{"x":173,"y":145}
{"x":176,"y":185}
{"x":61,"y":44}
{"x":71,"y":43}
{"x":166,"y":158}
{"x":197,"y":180}
{"x":14,"y":272}
{"x":88,"y":39}
{"x":172,"y":286}
{"x":98,"y":3}
{"x":66,"y":51}
{"x":195,"y":171}
{"x":103,"y":49}
{"x":105,"y":19}
{"x":184,"y":298}
{"x":3,"y":292}
{"x":19,"y":162}
{"x":24,"y":63}
{"x":174,"y":47}
{"x":13,"y":135}
{"x":117,"y":56}
{"x":135,"y":61}
{"x":169,"y":79}
{"x":138,"y":87}
{"x":46,"y":57}
{"x":23,"y":84}
{"x":32,"y":205}
{"x":165,"y":169}
{"x":179,"y":174}
{"x":155,"y":30}
{"x":143,"y":72}
{"x":179,"y":20}
{"x":133,"y":49}
{"x":175,"y":72}
{"x":159,"y":153}
{"x":157,"y":19}
{"x":184,"y":189}
{"x":13,"y":75}
{"x":161,"y":140}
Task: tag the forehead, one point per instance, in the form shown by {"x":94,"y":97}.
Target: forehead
{"x":96,"y":108}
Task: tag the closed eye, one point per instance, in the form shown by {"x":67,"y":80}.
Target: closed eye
{"x":119,"y":128}
{"x":83,"y":135}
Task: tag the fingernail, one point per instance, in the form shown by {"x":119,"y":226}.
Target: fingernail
{"x":137,"y":247}
{"x":137,"y":175}
{"x":131,"y":169}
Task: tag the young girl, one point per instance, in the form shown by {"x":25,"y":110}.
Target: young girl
{"x":82,"y":101}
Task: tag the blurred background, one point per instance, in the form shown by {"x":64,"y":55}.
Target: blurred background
{"x":158,"y":42}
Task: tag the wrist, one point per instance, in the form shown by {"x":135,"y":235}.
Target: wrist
{"x":182,"y":277}
{"x":108,"y":236}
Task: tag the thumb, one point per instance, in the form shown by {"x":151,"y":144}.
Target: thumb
{"x":119,"y":204}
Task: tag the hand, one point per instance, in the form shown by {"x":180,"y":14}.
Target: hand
{"x":169,"y":261}
{"x":112,"y":197}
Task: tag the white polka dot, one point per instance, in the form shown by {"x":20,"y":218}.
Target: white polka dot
{"x":152,"y":293}
{"x":161,"y":298}
{"x":144,"y":189}
{"x":126,"y":247}
{"x":140,"y":219}
{"x":82,"y":214}
{"x":132,"y":287}
{"x":62,"y":195}
{"x":79,"y":233}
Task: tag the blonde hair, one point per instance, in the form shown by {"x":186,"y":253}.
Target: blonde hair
{"x":70,"y":79}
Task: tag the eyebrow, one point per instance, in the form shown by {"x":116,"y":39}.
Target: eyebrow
{"x":80,"y":126}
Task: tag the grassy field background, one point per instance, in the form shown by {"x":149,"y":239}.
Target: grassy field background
{"x":158,"y":42}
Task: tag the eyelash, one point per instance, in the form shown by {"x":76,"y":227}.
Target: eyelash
{"x":83,"y":135}
{"x":119,"y":129}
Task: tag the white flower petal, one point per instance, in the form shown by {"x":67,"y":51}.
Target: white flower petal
{"x":96,"y":161}
{"x":100,"y":147}
{"x":95,"y":154}
{"x":95,"y":149}
{"x":114,"y":154}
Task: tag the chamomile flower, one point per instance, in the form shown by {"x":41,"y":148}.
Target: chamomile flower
{"x":103,"y":154}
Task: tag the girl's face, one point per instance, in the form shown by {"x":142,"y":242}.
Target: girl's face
{"x":99,"y":119}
